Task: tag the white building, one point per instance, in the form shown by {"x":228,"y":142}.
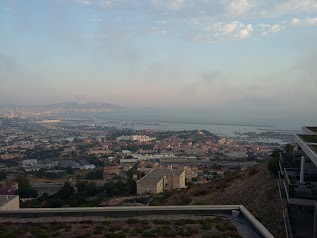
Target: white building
{"x":140,"y":138}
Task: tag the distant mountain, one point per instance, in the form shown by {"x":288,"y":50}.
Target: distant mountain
{"x":83,"y":107}
{"x":67,"y":107}
{"x":90,"y":105}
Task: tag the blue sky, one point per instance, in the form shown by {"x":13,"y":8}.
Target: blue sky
{"x":249,"y":54}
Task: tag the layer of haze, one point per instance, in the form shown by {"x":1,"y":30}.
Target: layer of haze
{"x":244,"y":58}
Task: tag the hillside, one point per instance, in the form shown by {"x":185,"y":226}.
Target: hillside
{"x":254,"y":188}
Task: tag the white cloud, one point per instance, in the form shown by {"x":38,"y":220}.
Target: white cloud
{"x":105,"y":3}
{"x":169,"y":4}
{"x":267,"y":29}
{"x":310,"y":21}
{"x":244,"y":32}
{"x":85,"y":2}
{"x":231,"y":31}
{"x":284,"y":7}
{"x":239,"y":7}
{"x":215,"y":21}
{"x":295,"y":21}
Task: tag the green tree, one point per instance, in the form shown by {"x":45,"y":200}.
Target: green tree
{"x":23,"y":181}
{"x":95,"y":174}
{"x":87,"y":188}
{"x":27,"y":192}
{"x":3,"y":175}
{"x":273,"y":163}
{"x":70,"y":170}
{"x":276,"y":153}
{"x":289,"y":148}
{"x":54,"y":202}
{"x":25,"y":189}
{"x":66,"y":191}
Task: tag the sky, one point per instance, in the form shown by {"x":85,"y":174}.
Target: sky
{"x":251,"y":56}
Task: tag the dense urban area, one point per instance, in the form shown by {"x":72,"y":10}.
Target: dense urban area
{"x":52,"y":160}
{"x":58,"y":162}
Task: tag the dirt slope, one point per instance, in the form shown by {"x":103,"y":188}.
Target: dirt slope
{"x":255,"y":188}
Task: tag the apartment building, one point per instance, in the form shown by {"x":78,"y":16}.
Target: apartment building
{"x":297,"y":180}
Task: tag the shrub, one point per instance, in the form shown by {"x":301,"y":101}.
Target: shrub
{"x":273,"y":166}
{"x":114,"y":228}
{"x":145,"y":222}
{"x":20,"y":230}
{"x":10,"y":235}
{"x":80,"y":236}
{"x":225,"y":227}
{"x":147,"y":227}
{"x":133,"y":221}
{"x":115,"y":235}
{"x":165,"y":231}
{"x":182,"y":222}
{"x":161,"y":222}
{"x":68,"y":228}
{"x":97,"y":232}
{"x":137,"y":230}
{"x":206,"y":225}
{"x":148,"y":234}
{"x":58,"y":226}
{"x":98,"y":229}
{"x":126,"y":230}
{"x":87,"y":234}
{"x":186,"y":231}
{"x":107,"y":222}
{"x":39,"y":233}
{"x":218,"y":219}
{"x":42,"y":235}
{"x":192,"y":230}
{"x":56,"y":234}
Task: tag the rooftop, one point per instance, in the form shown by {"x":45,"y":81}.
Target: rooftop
{"x":157,"y":174}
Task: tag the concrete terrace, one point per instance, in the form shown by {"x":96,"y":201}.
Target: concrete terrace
{"x":247,"y":225}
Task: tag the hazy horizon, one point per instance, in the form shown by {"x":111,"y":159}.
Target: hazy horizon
{"x":248,"y":58}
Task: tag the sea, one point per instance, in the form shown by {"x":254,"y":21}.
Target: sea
{"x":228,"y":125}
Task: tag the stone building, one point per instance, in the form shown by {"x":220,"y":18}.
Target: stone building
{"x":161,"y":179}
{"x":9,"y":202}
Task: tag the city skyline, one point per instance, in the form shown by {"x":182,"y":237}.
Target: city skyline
{"x":256,"y":55}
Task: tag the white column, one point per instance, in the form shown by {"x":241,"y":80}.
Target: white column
{"x":302,"y":170}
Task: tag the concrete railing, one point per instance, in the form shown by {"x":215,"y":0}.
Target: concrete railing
{"x":256,"y":225}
